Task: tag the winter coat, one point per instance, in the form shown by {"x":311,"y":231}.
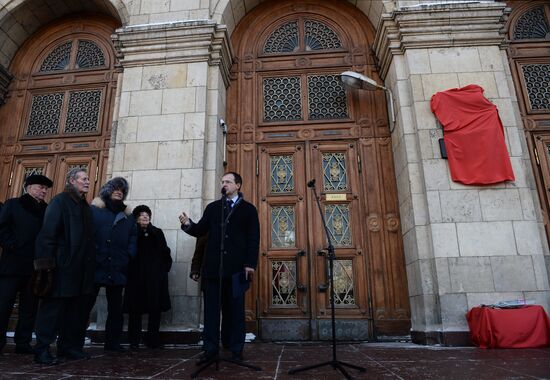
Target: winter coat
{"x":147,"y":287}
{"x":115,"y":236}
{"x":20,"y":222}
{"x":65,"y":244}
{"x":241,"y":242}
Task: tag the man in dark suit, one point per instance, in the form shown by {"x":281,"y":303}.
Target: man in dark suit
{"x":65,"y":248}
{"x":20,"y":221}
{"x":240,"y":255}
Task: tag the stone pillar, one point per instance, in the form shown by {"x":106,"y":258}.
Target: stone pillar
{"x":167,"y":141}
{"x":464,"y":245}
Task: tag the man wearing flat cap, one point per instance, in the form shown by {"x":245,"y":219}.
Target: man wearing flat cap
{"x":20,"y":221}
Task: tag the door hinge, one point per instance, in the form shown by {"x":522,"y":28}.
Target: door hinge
{"x":257,"y":167}
{"x":96,"y":173}
{"x":11,"y":179}
{"x":359,"y":163}
{"x":536,"y":156}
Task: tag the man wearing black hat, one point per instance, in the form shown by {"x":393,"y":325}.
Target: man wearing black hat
{"x":20,"y":221}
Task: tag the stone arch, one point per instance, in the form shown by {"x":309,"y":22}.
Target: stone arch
{"x":19,"y":19}
{"x":230,"y":12}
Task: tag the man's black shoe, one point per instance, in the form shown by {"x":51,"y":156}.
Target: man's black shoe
{"x":74,"y":354}
{"x":115,"y":348}
{"x":24,"y":349}
{"x":207,"y":357}
{"x":45,"y":358}
{"x":237,"y":356}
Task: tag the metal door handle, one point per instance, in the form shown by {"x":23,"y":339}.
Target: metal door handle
{"x":301,"y":287}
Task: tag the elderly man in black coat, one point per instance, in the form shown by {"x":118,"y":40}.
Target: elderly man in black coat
{"x":65,"y":248}
{"x":241,"y":240}
{"x":20,"y":221}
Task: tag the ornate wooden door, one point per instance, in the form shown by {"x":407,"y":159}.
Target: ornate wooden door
{"x":58,"y":112}
{"x":291,"y":120}
{"x":294,"y":286}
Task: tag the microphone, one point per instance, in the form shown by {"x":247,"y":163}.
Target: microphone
{"x":311,"y":183}
{"x":223,"y":191}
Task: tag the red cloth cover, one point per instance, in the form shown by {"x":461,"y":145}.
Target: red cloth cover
{"x":525,"y":327}
{"x":474,"y":137}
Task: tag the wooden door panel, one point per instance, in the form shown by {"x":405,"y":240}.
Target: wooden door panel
{"x":335,"y":165}
{"x":283,"y":286}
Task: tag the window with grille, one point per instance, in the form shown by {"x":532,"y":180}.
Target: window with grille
{"x":67,"y":112}
{"x":533,"y":24}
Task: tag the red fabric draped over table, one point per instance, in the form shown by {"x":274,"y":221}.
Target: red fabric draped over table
{"x":474,"y":137}
{"x":528,"y":326}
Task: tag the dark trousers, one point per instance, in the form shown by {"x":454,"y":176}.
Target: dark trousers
{"x":153,"y":325}
{"x":62,"y":318}
{"x":10,"y":286}
{"x":115,"y":319}
{"x":232,"y":310}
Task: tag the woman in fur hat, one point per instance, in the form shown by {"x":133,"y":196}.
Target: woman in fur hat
{"x":115,"y":236}
{"x":147,"y":288}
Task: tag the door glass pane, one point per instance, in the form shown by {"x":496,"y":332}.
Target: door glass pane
{"x":282,"y":99}
{"x":337,"y":217}
{"x":283,"y":283}
{"x":335,"y":177}
{"x":283,"y":39}
{"x":45,"y":114}
{"x":282,"y":174}
{"x":283,"y":227}
{"x":537,"y":81}
{"x":83,"y":113}
{"x":343,"y":282}
{"x":326,"y":98}
{"x":532,"y":24}
{"x":89,"y":55}
{"x":320,"y":37}
{"x":58,"y":59}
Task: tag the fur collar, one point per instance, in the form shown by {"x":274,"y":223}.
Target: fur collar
{"x":99,"y":203}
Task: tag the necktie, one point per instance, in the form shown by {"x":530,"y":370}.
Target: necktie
{"x":229,"y":203}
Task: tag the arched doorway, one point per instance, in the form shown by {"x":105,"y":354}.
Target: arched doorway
{"x":291,"y":120}
{"x":58,"y":112}
{"x":529,"y":58}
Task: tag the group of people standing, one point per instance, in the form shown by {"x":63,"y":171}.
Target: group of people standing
{"x":58,"y":256}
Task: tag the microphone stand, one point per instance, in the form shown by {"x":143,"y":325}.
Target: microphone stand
{"x":216,"y":359}
{"x":334,"y":363}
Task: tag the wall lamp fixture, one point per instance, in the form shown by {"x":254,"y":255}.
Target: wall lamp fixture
{"x":355,"y":80}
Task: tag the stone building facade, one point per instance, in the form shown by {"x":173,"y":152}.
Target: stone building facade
{"x":178,"y":67}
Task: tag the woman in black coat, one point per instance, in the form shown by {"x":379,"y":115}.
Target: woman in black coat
{"x":147,"y":287}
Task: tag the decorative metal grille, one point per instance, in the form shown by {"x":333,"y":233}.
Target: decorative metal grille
{"x":45,"y":114}
{"x":83,"y":112}
{"x":28,"y":172}
{"x":320,"y":37}
{"x":282,"y":174}
{"x":283,"y":283}
{"x":282,"y":100}
{"x":335,"y":176}
{"x":89,"y":55}
{"x":337,"y":217}
{"x":343,"y":282}
{"x":537,"y":81}
{"x":283,"y":39}
{"x":283,"y":231}
{"x":532,"y":24}
{"x":327,"y":98}
{"x":80,"y":166}
{"x":58,"y":59}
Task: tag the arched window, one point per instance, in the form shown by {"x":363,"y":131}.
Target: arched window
{"x":533,"y":24}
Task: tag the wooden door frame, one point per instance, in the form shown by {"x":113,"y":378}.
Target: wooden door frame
{"x":536,"y":123}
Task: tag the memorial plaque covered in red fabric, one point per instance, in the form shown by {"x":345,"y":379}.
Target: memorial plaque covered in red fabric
{"x":474,"y":137}
{"x":528,"y":326}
